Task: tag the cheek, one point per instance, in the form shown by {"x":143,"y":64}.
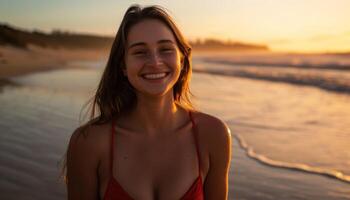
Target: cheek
{"x":174,"y":60}
{"x":132,"y":66}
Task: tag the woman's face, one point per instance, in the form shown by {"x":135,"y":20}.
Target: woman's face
{"x":152,"y":58}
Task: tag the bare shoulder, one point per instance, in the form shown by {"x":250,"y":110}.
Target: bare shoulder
{"x":90,"y":137}
{"x":215,"y":135}
{"x":87,"y":146}
{"x":212,"y":128}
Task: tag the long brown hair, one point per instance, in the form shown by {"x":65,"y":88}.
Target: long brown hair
{"x":114,"y":94}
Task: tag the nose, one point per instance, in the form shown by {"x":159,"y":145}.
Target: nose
{"x":155,"y":59}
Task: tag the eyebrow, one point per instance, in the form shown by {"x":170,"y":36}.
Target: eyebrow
{"x":144,"y":44}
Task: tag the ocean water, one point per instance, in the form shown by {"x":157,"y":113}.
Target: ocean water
{"x":294,"y":137}
{"x":303,"y":124}
{"x":329,"y":72}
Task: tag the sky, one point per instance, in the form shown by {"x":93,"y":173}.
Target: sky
{"x":283,"y":25}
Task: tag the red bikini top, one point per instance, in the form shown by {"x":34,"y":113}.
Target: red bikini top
{"x":115,"y":191}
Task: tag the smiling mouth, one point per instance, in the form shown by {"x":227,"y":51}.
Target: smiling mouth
{"x":155,"y":76}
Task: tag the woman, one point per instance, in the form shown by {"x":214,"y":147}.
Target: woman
{"x":147,"y":142}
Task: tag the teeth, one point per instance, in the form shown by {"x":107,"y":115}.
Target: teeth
{"x":154,"y":76}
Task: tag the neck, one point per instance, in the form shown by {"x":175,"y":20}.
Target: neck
{"x":156,"y":115}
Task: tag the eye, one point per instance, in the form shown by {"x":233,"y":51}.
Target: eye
{"x":166,"y":50}
{"x":139,"y":52}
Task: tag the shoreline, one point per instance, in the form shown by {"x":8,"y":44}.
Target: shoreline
{"x":254,"y":180}
{"x":250,"y":152}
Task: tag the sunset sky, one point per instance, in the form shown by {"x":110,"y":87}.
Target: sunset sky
{"x":283,"y":25}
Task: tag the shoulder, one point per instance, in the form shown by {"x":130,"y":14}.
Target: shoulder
{"x":86,"y":147}
{"x":89,"y":141}
{"x":214,"y":135}
{"x":90,"y":134}
{"x":212,"y":127}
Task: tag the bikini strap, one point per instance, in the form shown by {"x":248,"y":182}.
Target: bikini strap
{"x":195,"y":134}
{"x":112,"y":148}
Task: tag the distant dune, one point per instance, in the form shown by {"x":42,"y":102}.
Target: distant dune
{"x":56,"y":39}
{"x":215,"y":44}
{"x":23,"y":51}
{"x":9,"y":35}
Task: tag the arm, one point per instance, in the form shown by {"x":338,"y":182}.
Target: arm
{"x":82,"y":165}
{"x":216,"y":183}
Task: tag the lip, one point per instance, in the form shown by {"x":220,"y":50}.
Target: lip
{"x":167,"y":72}
{"x":155,"y":80}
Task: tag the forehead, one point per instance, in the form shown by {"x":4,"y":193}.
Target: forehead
{"x":149,"y":31}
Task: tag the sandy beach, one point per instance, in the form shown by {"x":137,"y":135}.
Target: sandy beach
{"x":16,"y":61}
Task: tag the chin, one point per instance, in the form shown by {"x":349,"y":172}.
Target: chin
{"x":156,"y":93}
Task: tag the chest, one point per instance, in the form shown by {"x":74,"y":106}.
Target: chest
{"x":154,"y":169}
